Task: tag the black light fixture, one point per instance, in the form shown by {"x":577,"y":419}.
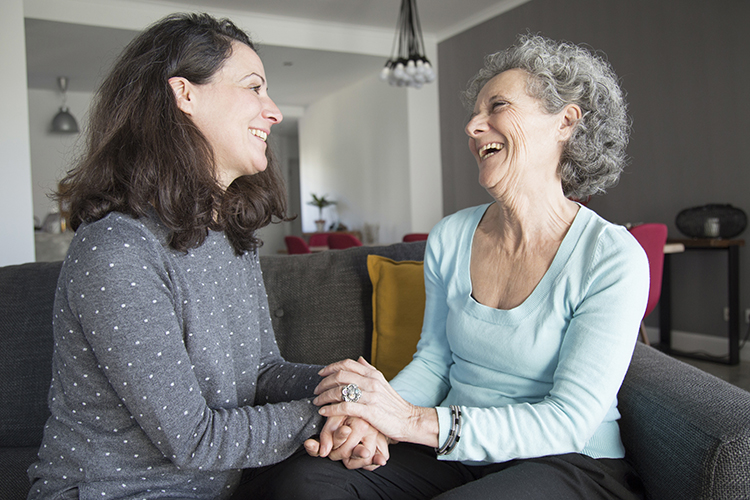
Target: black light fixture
{"x":408,"y":65}
{"x":64,"y":122}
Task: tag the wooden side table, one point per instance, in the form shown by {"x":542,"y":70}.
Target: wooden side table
{"x":732,"y":247}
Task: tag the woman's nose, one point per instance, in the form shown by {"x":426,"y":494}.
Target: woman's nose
{"x":476,"y":126}
{"x":271,"y":112}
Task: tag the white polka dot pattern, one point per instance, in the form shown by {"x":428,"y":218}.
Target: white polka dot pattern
{"x":166,"y":375}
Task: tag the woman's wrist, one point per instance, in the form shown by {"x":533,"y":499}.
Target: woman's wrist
{"x":423,"y":427}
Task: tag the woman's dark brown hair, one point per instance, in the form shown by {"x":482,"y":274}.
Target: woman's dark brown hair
{"x":143,"y":152}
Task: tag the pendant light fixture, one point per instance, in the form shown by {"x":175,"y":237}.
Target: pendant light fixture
{"x":408,"y":65}
{"x":64,"y":122}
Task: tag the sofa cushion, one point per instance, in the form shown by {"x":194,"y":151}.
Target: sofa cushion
{"x":686,"y":432}
{"x":398,"y":301}
{"x":14,"y":481}
{"x":307,"y":294}
{"x":26,"y":298}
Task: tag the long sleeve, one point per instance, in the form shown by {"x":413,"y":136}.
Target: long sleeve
{"x":542,"y":378}
{"x":158,"y":359}
{"x":425,"y":381}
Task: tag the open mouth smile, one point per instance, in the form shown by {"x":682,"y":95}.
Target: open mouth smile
{"x":259,"y":133}
{"x":490,"y":149}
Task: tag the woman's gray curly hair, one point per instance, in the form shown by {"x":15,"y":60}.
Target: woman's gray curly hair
{"x":562,"y":73}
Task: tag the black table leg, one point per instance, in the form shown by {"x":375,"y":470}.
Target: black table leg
{"x":734,"y":304}
{"x":665,"y":306}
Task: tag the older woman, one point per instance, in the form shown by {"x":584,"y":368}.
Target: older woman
{"x":533,"y":306}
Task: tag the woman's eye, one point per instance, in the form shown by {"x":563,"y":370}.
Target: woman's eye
{"x":256,"y":88}
{"x":497,"y":105}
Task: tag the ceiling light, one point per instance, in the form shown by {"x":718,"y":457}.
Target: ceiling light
{"x":408,"y":65}
{"x":64,"y":122}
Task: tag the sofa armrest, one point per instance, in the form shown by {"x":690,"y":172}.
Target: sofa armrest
{"x":686,"y":432}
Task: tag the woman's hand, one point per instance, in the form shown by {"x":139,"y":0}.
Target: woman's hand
{"x":351,"y":440}
{"x":379,"y":403}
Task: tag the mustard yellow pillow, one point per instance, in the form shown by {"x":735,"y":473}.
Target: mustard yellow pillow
{"x":398,"y":299}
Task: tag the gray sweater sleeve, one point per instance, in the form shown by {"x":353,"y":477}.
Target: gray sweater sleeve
{"x":125,"y":298}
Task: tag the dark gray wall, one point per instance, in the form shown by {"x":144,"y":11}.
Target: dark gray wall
{"x":685,"y":65}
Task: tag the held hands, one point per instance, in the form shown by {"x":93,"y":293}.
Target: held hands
{"x":379,"y":404}
{"x":352,"y":441}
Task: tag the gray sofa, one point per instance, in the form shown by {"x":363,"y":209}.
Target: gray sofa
{"x":686,"y":432}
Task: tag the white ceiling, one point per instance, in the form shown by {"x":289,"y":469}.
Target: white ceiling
{"x":436,"y":16}
{"x":297,"y":77}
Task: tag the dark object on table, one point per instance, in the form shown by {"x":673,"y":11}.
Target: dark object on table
{"x":711,"y":221}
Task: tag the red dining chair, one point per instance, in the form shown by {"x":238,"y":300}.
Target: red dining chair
{"x":652,"y":238}
{"x":414,"y":237}
{"x":319,"y":239}
{"x":296,"y":245}
{"x":340,"y":241}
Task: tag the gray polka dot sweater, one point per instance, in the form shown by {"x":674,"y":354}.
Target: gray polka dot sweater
{"x":166,"y":378}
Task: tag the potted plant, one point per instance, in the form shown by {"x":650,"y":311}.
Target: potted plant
{"x":321,"y":202}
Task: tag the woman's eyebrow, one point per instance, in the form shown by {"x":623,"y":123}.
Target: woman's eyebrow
{"x":263,"y":80}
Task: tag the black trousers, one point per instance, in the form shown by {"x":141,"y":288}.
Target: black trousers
{"x":414,"y":472}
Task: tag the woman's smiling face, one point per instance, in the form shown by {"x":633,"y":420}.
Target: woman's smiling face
{"x":512,"y":138}
{"x":234,"y":113}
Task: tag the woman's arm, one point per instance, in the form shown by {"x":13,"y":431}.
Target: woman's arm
{"x":425,"y":381}
{"x":123,"y":296}
{"x":379,"y":403}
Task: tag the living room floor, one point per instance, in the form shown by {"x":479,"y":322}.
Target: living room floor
{"x":738,"y":375}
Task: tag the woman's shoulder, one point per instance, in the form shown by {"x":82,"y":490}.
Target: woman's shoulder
{"x":117,"y":236}
{"x":609,"y":240}
{"x":463,"y":220}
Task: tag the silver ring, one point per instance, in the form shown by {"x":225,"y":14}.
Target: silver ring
{"x":351,"y":393}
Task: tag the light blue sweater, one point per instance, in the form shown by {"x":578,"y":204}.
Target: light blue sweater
{"x":542,"y":378}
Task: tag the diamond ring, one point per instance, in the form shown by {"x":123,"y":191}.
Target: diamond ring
{"x":351,"y":393}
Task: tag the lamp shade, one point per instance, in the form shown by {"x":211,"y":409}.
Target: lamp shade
{"x":64,"y":122}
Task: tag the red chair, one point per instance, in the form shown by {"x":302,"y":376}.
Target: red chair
{"x":296,"y":245}
{"x":652,"y":238}
{"x":414,"y":237}
{"x":340,"y":241}
{"x":319,"y":239}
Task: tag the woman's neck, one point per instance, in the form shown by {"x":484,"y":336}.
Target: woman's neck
{"x":521,"y":221}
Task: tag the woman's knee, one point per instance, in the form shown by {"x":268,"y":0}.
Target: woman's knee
{"x":302,"y":477}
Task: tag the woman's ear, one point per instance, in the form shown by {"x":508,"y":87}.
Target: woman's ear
{"x":570,"y":117}
{"x":183,"y":93}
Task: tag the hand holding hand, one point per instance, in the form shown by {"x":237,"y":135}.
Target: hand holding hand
{"x":351,"y":440}
{"x":379,"y":403}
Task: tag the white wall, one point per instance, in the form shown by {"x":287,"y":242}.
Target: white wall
{"x":16,"y":224}
{"x":393,"y":181}
{"x":354,"y":147}
{"x":286,"y":148}
{"x":425,"y":182}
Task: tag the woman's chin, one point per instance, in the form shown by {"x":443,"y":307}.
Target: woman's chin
{"x":488,"y":180}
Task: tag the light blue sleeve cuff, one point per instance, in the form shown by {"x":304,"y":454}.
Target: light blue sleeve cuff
{"x":444,"y":424}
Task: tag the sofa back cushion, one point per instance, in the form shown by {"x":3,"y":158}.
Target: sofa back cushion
{"x":27,"y":293}
{"x":321,"y":303}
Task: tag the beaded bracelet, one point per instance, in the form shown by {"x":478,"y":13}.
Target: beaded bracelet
{"x":454,"y":434}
